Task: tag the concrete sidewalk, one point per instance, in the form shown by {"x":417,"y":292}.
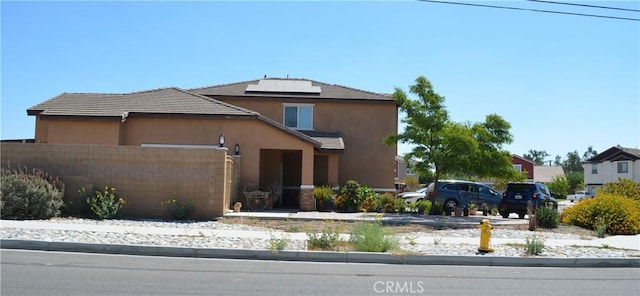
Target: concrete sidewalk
{"x":619,"y":242}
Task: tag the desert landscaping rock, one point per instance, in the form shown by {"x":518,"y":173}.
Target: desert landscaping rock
{"x":208,"y":235}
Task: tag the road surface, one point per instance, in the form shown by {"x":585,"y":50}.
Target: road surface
{"x":53,"y":273}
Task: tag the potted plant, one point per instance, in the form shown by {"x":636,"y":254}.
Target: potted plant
{"x":354,"y":195}
{"x":485,"y":209}
{"x":494,"y":211}
{"x":324,"y":198}
{"x":473,"y":209}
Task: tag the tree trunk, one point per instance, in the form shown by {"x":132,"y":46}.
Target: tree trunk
{"x":432,"y":197}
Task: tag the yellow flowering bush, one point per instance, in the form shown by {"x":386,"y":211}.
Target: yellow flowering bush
{"x":621,"y":215}
{"x":104,"y":204}
{"x":178,"y":209}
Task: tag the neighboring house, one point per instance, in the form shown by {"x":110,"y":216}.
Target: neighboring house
{"x":403,"y":170}
{"x":615,"y":162}
{"x":546,"y":173}
{"x":521,"y":164}
{"x":290,"y":133}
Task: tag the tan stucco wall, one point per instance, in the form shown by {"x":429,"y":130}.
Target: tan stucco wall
{"x":251,"y":134}
{"x":77,"y":132}
{"x":363,"y":125}
{"x":144,"y":176}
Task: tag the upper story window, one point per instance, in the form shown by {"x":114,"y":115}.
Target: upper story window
{"x":623,"y":167}
{"x":517,"y":167}
{"x":594,"y":168}
{"x":298,"y":116}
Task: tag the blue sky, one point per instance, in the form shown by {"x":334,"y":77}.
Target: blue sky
{"x":563,"y":82}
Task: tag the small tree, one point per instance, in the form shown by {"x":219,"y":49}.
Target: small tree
{"x":448,"y":147}
{"x":559,"y":185}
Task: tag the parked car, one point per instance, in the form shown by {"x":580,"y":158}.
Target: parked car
{"x":579,"y":195}
{"x":413,"y":196}
{"x":516,"y":196}
{"x":456,"y":193}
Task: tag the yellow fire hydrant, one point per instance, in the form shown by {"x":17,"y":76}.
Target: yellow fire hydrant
{"x":485,"y":236}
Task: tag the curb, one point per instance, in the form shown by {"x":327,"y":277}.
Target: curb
{"x":316,"y":256}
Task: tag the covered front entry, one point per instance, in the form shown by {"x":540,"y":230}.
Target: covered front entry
{"x":281,"y":173}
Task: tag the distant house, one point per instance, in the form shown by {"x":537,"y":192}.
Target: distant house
{"x":615,"y":162}
{"x":291,"y":133}
{"x":403,"y":169}
{"x":521,"y":164}
{"x":546,"y":173}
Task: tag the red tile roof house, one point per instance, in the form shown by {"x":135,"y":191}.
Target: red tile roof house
{"x":290,"y":133}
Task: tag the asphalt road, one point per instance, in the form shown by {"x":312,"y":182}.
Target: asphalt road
{"x":53,"y":273}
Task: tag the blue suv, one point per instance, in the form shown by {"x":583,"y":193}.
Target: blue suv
{"x":516,"y":196}
{"x":454,"y":193}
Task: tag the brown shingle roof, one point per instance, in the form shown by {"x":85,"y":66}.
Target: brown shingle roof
{"x":159,"y":101}
{"x":330,"y":141}
{"x":328,"y":91}
{"x":615,"y":153}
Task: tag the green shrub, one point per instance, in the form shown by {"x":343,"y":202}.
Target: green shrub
{"x":106,"y":204}
{"x":412,"y":183}
{"x":24,"y":195}
{"x":436,"y":209}
{"x":621,"y":215}
{"x":372,"y":237}
{"x":386,"y":202}
{"x":323,"y":193}
{"x":353,"y":195}
{"x":624,"y":187}
{"x":370,"y":203}
{"x":559,"y":185}
{"x":547,"y":218}
{"x":601,"y":228}
{"x":399,"y":205}
{"x":424,"y":206}
{"x":534,"y":245}
{"x":178,"y":209}
{"x":328,"y":240}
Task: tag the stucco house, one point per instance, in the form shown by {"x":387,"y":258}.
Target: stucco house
{"x":546,"y":173}
{"x":290,"y":133}
{"x":403,"y":169}
{"x":615,"y":162}
{"x":521,"y":164}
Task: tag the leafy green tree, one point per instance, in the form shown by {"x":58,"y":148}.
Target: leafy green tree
{"x":558,"y":160}
{"x":576,"y":181}
{"x":573,"y":163}
{"x":446,"y":147}
{"x":538,"y":157}
{"x":589,"y":153}
{"x":559,"y":185}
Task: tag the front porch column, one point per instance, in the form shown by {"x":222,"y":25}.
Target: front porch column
{"x":333,"y":169}
{"x":307,"y":202}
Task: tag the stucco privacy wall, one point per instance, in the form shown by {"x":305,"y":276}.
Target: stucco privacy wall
{"x":144,"y":176}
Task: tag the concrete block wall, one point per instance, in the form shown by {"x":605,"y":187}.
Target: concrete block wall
{"x":144,"y":176}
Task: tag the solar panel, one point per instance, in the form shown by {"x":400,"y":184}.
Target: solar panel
{"x":287,"y":86}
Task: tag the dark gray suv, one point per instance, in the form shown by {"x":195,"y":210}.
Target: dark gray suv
{"x":517,"y":195}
